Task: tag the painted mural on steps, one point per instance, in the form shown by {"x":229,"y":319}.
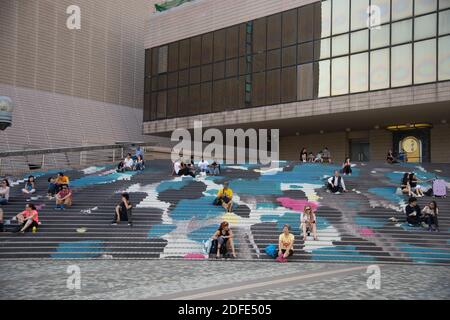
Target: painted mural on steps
{"x":349,"y":228}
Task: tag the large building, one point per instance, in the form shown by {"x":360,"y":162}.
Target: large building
{"x":324,"y":72}
{"x":72,"y":87}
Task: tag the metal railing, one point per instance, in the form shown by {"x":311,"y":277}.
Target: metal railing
{"x":20,"y":161}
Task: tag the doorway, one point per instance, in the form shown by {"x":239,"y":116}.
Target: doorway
{"x":359,"y":150}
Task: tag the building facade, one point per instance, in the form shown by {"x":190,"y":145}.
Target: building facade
{"x":72,"y":87}
{"x":360,"y":77}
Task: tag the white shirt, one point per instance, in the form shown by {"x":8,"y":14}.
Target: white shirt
{"x":177,"y":166}
{"x":128,"y":163}
{"x":4,"y":192}
{"x":330,"y":180}
{"x":203,"y":165}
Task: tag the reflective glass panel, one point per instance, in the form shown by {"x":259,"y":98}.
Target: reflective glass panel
{"x":339,"y":45}
{"x":385,"y":9}
{"x":359,"y":41}
{"x":425,"y":27}
{"x":322,"y":49}
{"x":425,"y":61}
{"x":444,"y":4}
{"x":379,"y":69}
{"x":424,"y":6}
{"x":359,"y":14}
{"x":402,"y":9}
{"x":326,"y":18}
{"x":444,"y":58}
{"x":359,"y":72}
{"x":380,"y":37}
{"x":341,"y":16}
{"x":444,"y":22}
{"x":401,"y":65}
{"x":339,"y":76}
{"x":324,"y":78}
{"x":402,"y":32}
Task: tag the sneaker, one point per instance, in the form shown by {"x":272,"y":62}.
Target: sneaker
{"x":57,"y":208}
{"x":114,"y":223}
{"x":130,"y":224}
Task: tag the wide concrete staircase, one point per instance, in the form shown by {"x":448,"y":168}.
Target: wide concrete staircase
{"x":173,"y":216}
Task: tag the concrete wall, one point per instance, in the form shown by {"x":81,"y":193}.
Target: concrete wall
{"x":380,"y":143}
{"x":72,"y":86}
{"x":440,"y":144}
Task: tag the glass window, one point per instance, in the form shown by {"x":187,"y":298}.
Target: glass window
{"x":196,"y":51}
{"x":326,"y":18}
{"x":359,"y":41}
{"x":219,"y":45}
{"x":172,"y":80}
{"x":231,"y":68}
{"x":173,"y":57}
{"x":385,"y":9}
{"x":401,"y":9}
{"x":162,"y":105}
{"x":339,"y":76}
{"x":184,"y":54}
{"x":322,"y":49}
{"x":259,"y":89}
{"x":305,"y":52}
{"x":289,"y":36}
{"x":172,"y":103}
{"x":288,"y":84}
{"x":401,"y":65}
{"x":289,"y":56}
{"x":424,"y":6}
{"x":162,"y":59}
{"x":359,"y":14}
{"x":359,"y":72}
{"x":273,"y":59}
{"x":305,"y":82}
{"x":380,"y":37}
{"x":207,"y":48}
{"x":444,"y":22}
{"x":259,"y":35}
{"x":206,"y":97}
{"x":444,"y":58}
{"x":339,"y":45}
{"x":379,"y":69}
{"x":274,"y":32}
{"x":206,"y":72}
{"x":444,"y":4}
{"x":273,"y":87}
{"x":219,"y":70}
{"x":232,"y":42}
{"x":402,"y":32}
{"x":305,"y":23}
{"x":341,"y":10}
{"x":425,"y":61}
{"x":425,"y":27}
{"x":323,"y":73}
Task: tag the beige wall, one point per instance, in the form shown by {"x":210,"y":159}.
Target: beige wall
{"x":380,"y":143}
{"x":440,"y":144}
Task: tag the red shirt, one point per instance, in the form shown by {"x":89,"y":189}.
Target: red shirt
{"x":63,"y":193}
{"x":28,"y":214}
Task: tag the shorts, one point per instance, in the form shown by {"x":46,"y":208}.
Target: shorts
{"x":291,"y":252}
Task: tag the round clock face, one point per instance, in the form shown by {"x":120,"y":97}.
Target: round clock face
{"x":410,"y":144}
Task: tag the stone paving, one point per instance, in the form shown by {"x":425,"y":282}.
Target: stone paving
{"x":153,"y":279}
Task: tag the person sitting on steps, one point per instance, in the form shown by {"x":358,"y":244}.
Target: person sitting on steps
{"x":63,"y":198}
{"x":413,"y":213}
{"x":415,"y":187}
{"x":1,"y":220}
{"x":139,"y":164}
{"x":308,"y":223}
{"x":336,"y":183}
{"x":225,"y":198}
{"x":326,"y":155}
{"x":285,"y":244}
{"x":123,"y":210}
{"x":4,"y":191}
{"x":214,"y":168}
{"x":430,"y":213}
{"x":30,"y":186}
{"x":405,"y":186}
{"x":61,"y":180}
{"x":224,"y":238}
{"x":347,"y":167}
{"x":28,"y":219}
{"x":311,"y":157}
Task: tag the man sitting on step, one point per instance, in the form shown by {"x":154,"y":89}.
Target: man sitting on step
{"x":413,"y":213}
{"x":336,"y":183}
{"x":224,"y":198}
{"x":63,"y":198}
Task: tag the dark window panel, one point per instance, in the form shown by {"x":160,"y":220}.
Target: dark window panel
{"x":206,"y":72}
{"x":219,"y":45}
{"x":241,"y":93}
{"x":206,"y":97}
{"x":195,"y":75}
{"x":155,"y":83}
{"x":231,"y":68}
{"x":153,"y":104}
{"x":172,"y":101}
{"x":289,"y":56}
{"x":172,"y":80}
{"x":194,"y":98}
{"x":162,"y":59}
{"x":232,"y":42}
{"x":148,"y":84}
{"x":219,"y":70}
{"x":162,"y":105}
{"x":183,"y":101}
{"x":242,"y":38}
{"x":173,"y":57}
{"x":147,"y":106}
{"x":242,"y":65}
{"x":184,"y":54}
{"x":196,"y":51}
{"x":183,"y":78}
{"x":306,"y":23}
{"x":274,"y":31}
{"x":259,"y":62}
{"x":289,"y":36}
{"x":219,"y":95}
{"x":207,"y":48}
{"x":317,"y":20}
{"x":305,"y":52}
{"x":305,"y":82}
{"x":289,"y":84}
{"x":162,"y":81}
{"x":258,"y":89}
{"x":232,"y":93}
{"x":273,"y":87}
{"x":259,"y":35}
{"x":274,"y":59}
{"x":148,"y":61}
{"x":155,"y":56}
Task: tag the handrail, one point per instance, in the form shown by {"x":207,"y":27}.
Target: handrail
{"x":4,"y":154}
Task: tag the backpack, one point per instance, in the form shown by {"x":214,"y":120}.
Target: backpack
{"x":271,"y":251}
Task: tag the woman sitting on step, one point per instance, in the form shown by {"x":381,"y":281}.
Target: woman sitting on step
{"x":308,"y":223}
{"x":285,"y":244}
{"x":28,"y":219}
{"x":405,"y":186}
{"x":347,"y":167}
{"x":30,"y":186}
{"x":224,"y":238}
{"x":123,"y":210}
{"x":430,"y":213}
